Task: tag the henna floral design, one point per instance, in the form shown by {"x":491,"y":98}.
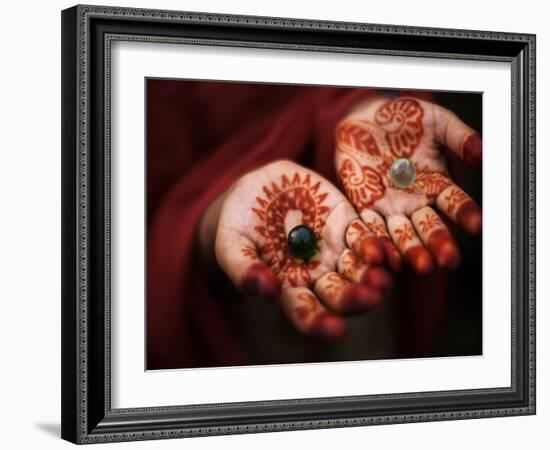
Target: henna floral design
{"x":357,"y":136}
{"x":429,"y":222}
{"x":350,"y":264}
{"x":377,"y":228}
{"x":308,"y":305}
{"x":249,"y":252}
{"x":401,"y":119}
{"x":455,"y":198}
{"x":362,"y":188}
{"x":296,"y":193}
{"x":358,"y":228}
{"x":334,"y":285}
{"x":404,"y":235}
{"x":431,"y":183}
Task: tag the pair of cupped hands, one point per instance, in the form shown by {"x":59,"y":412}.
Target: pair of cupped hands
{"x":383,"y":218}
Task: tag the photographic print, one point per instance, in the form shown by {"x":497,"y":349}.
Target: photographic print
{"x":310,"y":224}
{"x":275,"y":224}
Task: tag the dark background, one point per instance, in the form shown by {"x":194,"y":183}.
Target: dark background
{"x":460,"y":331}
{"x":463,"y":334}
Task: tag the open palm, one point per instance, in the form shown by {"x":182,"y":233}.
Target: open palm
{"x":251,"y":246}
{"x":370,"y":141}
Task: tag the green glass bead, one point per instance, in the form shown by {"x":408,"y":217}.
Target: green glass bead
{"x":403,"y":173}
{"x":302,"y":243}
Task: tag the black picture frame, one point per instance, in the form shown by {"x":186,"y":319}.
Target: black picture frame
{"x":87,"y":416}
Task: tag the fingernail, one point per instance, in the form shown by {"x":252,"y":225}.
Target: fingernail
{"x":360,"y":298}
{"x":392,"y":255}
{"x":444,"y":249}
{"x":259,"y":280}
{"x":378,"y":277}
{"x":419,"y":259}
{"x":469,"y":217}
{"x":372,"y":251}
{"x":471,"y":150}
{"x":329,"y":326}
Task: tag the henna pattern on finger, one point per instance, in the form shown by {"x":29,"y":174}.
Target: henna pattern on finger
{"x":296,"y":193}
{"x":377,"y":228}
{"x":335,"y":284}
{"x":454,"y":199}
{"x":430,"y":183}
{"x":404,"y":235}
{"x":340,"y":294}
{"x":353,"y":269}
{"x":413,"y":251}
{"x":429,"y":223}
{"x":315,"y":320}
{"x":358,"y":227}
{"x":249,"y":252}
{"x":460,"y":207}
{"x":347,"y":298}
{"x":392,"y":254}
{"x":357,"y":230}
{"x":308,"y":305}
{"x":350,"y":265}
{"x":364,"y":243}
{"x":437,"y":238}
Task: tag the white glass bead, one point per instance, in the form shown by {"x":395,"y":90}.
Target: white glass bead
{"x":403,"y":173}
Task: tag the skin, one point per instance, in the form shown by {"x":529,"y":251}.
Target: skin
{"x":249,"y":225}
{"x":382,"y":130}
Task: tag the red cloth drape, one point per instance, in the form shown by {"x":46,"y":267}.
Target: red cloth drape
{"x":201,"y":137}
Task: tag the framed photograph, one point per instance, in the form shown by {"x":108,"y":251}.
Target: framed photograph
{"x":279,"y":224}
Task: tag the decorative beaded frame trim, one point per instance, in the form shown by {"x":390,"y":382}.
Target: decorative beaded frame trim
{"x":87,"y":12}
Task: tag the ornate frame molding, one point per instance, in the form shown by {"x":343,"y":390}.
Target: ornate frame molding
{"x":84,"y":422}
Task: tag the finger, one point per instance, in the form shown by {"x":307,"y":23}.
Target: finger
{"x":309,"y":316}
{"x":436,"y":237}
{"x":375,"y":223}
{"x":238,"y":257}
{"x":364,"y":242}
{"x":409,"y":244}
{"x":457,"y":136}
{"x":356,"y":271}
{"x":460,"y":207}
{"x":344,"y":297}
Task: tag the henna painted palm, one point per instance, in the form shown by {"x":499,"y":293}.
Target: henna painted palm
{"x":251,"y":247}
{"x":378,"y":133}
